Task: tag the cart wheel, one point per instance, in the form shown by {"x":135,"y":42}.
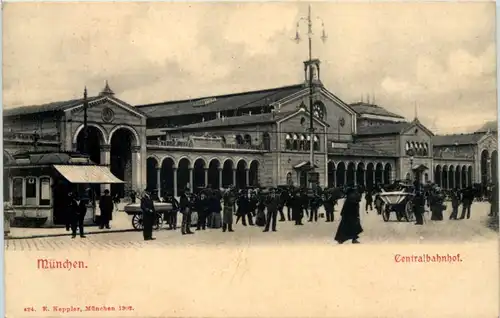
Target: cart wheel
{"x":137,"y":222}
{"x":386,"y":214}
{"x":159,"y":222}
{"x":409,"y":215}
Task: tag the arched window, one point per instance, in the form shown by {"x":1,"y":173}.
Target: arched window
{"x":248,"y":139}
{"x":238,"y":139}
{"x":302,"y":142}
{"x":295,"y":142}
{"x":308,"y":143}
{"x":316,"y":143}
{"x":426,"y":149}
{"x":289,"y":179}
{"x":266,"y":141}
{"x":222,"y":139}
{"x":288,"y":142}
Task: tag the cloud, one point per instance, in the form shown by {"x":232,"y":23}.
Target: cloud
{"x":440,"y":56}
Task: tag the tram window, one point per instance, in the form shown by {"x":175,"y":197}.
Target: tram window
{"x":17,"y":191}
{"x":44,"y":191}
{"x":31,"y":191}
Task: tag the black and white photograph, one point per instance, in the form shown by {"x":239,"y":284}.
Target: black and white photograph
{"x":250,"y":159}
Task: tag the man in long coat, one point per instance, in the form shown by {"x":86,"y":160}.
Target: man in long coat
{"x":148,"y":216}
{"x":229,"y":199}
{"x":106,"y":207}
{"x":350,"y":224}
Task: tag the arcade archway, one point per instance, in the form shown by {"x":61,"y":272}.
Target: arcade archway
{"x":152,"y":168}
{"x":228,"y":173}
{"x":254,"y":173}
{"x":360,"y":174}
{"x":241,"y":174}
{"x":437,"y":176}
{"x":94,"y":144}
{"x":168,"y":176}
{"x":379,"y":173}
{"x":387,"y":173}
{"x":445,"y":183}
{"x":341,"y":174}
{"x":200,"y":174}
{"x":351,"y":173}
{"x":214,"y":180}
{"x":370,"y":181}
{"x":184,"y":176}
{"x":484,"y":166}
{"x":122,"y":143}
{"x":331,"y":174}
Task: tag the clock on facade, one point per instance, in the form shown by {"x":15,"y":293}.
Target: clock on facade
{"x":342,"y":122}
{"x":319,"y":110}
{"x":107,"y":115}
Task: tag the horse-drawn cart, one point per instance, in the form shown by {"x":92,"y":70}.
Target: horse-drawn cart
{"x":136,"y":212}
{"x":399,"y":202}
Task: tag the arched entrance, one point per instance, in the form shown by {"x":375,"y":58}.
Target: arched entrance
{"x":437,"y":176}
{"x":152,"y":166}
{"x":254,"y":173}
{"x":458,"y":174}
{"x":451,"y":177}
{"x":360,"y":174}
{"x":199,"y":169}
{"x":241,"y":174}
{"x":341,"y":174}
{"x":213,"y":174}
{"x":167,"y":176}
{"x":184,"y":180}
{"x":123,"y":141}
{"x":331,"y":174}
{"x":379,"y":173}
{"x":445,"y":183}
{"x":494,"y":166}
{"x":95,"y":141}
{"x":227,"y":173}
{"x":484,"y":166}
{"x":387,"y":173}
{"x":351,"y":173}
{"x":370,"y":181}
{"x":464,"y":177}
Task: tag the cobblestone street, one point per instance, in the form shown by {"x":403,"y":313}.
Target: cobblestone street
{"x":375,"y":231}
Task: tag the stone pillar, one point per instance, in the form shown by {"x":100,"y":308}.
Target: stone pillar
{"x":247,"y":176}
{"x":220,"y":178}
{"x":175,"y":180}
{"x":191,"y":185}
{"x":345,"y":176}
{"x":105,"y":160}
{"x":158,"y":180}
{"x":364,"y":177}
{"x":234,"y":177}
{"x":206,"y":177}
{"x":136,"y":169}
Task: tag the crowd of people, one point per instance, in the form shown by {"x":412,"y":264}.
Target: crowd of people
{"x":221,"y":209}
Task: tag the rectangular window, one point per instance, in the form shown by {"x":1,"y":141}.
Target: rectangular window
{"x":31,"y":191}
{"x":45,"y":191}
{"x":17,"y":191}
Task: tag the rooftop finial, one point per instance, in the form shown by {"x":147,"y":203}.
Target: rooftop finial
{"x":107,"y":91}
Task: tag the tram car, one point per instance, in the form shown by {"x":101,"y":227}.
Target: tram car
{"x":399,"y":202}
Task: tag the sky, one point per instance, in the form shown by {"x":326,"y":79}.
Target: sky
{"x":434,"y":59}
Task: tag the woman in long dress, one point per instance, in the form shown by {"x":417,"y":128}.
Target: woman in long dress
{"x":350,"y":224}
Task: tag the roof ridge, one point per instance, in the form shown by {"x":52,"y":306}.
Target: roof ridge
{"x":220,"y":96}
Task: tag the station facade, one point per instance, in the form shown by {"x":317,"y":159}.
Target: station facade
{"x":249,"y":139}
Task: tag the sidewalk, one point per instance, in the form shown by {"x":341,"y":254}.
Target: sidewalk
{"x":121,"y":222}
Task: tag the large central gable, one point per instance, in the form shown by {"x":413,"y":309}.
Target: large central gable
{"x":219,"y":103}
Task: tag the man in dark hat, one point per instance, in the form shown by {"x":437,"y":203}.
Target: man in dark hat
{"x":106,"y":207}
{"x":229,"y":200}
{"x":272,"y":205}
{"x":418,"y":204}
{"x":185,"y":207}
{"x":148,"y":216}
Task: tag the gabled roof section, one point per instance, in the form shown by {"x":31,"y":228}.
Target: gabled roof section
{"x":364,"y":108}
{"x":386,"y":129}
{"x":44,"y":108}
{"x":457,"y":139}
{"x":417,"y":123}
{"x":245,"y":120}
{"x":218,"y":103}
{"x":69,"y":105}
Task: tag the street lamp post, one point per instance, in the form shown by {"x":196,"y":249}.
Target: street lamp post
{"x":310,"y":34}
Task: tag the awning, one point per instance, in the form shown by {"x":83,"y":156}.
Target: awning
{"x":87,"y":174}
{"x":304,"y":165}
{"x":420,"y":167}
